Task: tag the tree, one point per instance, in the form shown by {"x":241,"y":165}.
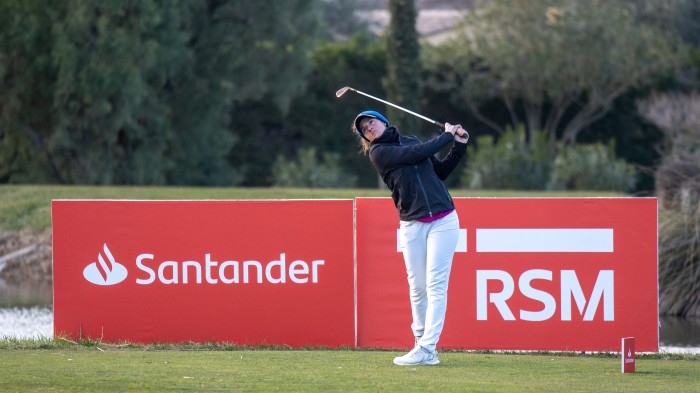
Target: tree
{"x":241,"y":53}
{"x":316,"y":118}
{"x":27,"y":80}
{"x":681,"y":17}
{"x":678,"y":190}
{"x":111,"y":59}
{"x":271,"y":69}
{"x":678,"y":116}
{"x":403,"y":67}
{"x":125,"y":92}
{"x":554,"y":65}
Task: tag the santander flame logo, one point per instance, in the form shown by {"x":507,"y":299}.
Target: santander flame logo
{"x":108,"y":272}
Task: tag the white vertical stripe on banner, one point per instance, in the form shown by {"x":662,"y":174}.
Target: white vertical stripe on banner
{"x":545,"y":240}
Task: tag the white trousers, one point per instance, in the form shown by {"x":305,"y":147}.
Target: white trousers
{"x":428,"y":249}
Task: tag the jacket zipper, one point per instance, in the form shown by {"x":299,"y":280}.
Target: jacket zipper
{"x":422,"y":189}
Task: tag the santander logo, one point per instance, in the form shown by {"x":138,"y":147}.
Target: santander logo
{"x":108,"y":272}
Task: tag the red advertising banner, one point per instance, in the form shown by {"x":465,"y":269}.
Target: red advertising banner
{"x":570,"y":274}
{"x":245,"y":272}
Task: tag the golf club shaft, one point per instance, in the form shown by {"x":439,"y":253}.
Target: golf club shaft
{"x":398,"y":107}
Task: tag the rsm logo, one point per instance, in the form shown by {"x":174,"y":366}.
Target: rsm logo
{"x":604,"y":289}
{"x":545,"y":240}
{"x":149,"y":270}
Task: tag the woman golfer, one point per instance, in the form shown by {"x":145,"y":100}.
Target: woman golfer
{"x":429,"y":224}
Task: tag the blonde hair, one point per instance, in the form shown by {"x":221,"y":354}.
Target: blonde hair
{"x":364,"y":143}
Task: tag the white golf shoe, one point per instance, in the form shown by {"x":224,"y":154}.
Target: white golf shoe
{"x":417,"y":357}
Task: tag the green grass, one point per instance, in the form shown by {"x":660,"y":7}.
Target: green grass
{"x":29,"y":206}
{"x":58,"y":365}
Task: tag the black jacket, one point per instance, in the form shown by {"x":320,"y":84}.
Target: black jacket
{"x":412,"y":172}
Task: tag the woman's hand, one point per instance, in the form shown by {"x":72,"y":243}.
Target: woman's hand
{"x":460,"y":134}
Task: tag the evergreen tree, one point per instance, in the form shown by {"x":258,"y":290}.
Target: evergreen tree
{"x":241,"y":53}
{"x":403,"y":67}
{"x":125,"y":92}
{"x":112,"y":126}
{"x":319,"y":119}
{"x":270,"y":72}
{"x":27,"y":81}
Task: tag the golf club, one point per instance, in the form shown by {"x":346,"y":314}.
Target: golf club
{"x":345,"y":89}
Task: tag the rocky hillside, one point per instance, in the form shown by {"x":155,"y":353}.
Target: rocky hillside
{"x":25,"y":257}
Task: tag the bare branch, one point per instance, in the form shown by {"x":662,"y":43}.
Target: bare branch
{"x":484,"y":119}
